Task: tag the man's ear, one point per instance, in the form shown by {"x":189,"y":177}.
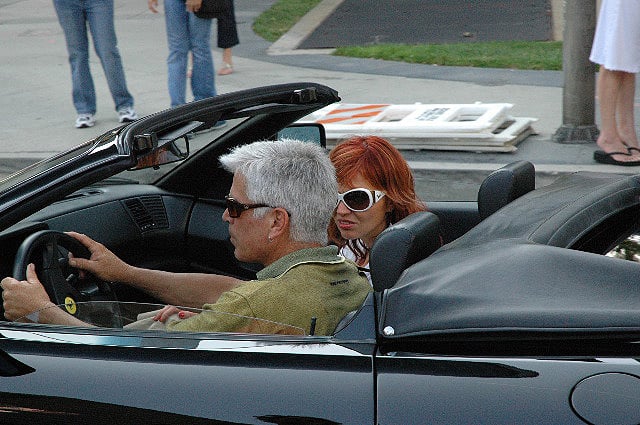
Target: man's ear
{"x":280,"y":223}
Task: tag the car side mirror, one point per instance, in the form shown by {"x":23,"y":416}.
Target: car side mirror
{"x":306,"y":132}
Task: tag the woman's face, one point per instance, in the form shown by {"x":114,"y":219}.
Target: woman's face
{"x":364,"y":225}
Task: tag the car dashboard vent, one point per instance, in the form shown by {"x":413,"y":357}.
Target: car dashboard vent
{"x":148,"y":212}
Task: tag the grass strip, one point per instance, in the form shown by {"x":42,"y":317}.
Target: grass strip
{"x":536,"y":55}
{"x":280,"y":17}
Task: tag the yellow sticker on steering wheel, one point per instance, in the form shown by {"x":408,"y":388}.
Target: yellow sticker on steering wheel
{"x":70,"y":305}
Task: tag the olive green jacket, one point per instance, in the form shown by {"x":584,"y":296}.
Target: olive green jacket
{"x":309,"y":283}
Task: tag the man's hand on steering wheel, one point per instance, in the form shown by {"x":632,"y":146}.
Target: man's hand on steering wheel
{"x":21,"y":298}
{"x":103,"y":263}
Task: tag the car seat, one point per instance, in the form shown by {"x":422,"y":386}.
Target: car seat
{"x":402,"y":244}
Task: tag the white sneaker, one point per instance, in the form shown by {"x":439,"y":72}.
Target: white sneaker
{"x":127,"y":114}
{"x":85,"y":121}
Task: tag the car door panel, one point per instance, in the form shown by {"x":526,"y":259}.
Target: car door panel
{"x":241,"y":381}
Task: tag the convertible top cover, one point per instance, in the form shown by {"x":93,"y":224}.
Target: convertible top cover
{"x":512,"y":275}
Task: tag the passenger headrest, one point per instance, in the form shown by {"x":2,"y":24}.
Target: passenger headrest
{"x":402,"y":244}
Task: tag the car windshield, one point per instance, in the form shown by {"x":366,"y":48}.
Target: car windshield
{"x":49,"y":164}
{"x":131,"y":316}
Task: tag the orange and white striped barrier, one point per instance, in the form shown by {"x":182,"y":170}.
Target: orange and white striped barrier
{"x":477,"y":126}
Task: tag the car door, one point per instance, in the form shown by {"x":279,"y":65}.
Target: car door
{"x":80,"y":375}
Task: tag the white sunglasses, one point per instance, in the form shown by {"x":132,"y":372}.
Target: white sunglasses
{"x":360,"y":199}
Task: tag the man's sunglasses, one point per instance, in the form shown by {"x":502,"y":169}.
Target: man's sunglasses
{"x":360,"y":199}
{"x":236,"y":208}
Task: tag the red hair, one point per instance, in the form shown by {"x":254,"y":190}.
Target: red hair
{"x":383,"y":166}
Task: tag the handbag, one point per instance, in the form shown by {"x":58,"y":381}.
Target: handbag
{"x":210,"y":9}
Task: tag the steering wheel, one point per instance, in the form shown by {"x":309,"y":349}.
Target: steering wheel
{"x":49,"y":251}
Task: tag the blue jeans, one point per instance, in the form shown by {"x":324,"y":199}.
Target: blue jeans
{"x":188,"y":33}
{"x":74,"y":16}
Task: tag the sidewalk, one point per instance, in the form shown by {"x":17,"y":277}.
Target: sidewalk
{"x":38,"y":115}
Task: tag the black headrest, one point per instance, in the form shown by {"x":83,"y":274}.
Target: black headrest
{"x":505,"y":185}
{"x":402,"y":244}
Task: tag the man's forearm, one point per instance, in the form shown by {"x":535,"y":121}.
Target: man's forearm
{"x":181,"y":289}
{"x":56,"y":316}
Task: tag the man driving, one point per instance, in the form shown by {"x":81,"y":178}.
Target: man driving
{"x":278,"y":210}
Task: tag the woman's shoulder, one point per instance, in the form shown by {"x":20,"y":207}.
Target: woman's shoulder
{"x":348,"y":253}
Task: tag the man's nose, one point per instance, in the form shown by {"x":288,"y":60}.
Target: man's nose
{"x":225,"y":216}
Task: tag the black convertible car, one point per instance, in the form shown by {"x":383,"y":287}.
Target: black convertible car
{"x":520,"y":308}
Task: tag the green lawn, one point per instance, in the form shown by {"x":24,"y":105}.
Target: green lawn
{"x":284,"y":14}
{"x":508,"y":54}
{"x":538,"y":55}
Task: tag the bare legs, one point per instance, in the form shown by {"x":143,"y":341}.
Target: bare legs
{"x":616,"y":91}
{"x":227,"y":63}
{"x":625,"y":110}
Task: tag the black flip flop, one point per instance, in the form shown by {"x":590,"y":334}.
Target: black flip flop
{"x":607,"y":158}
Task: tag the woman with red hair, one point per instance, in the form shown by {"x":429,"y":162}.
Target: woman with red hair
{"x":376,"y":189}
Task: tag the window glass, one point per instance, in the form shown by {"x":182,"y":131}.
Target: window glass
{"x":50,"y":163}
{"x":196,"y":142}
{"x":628,"y":249}
{"x":140,"y":316}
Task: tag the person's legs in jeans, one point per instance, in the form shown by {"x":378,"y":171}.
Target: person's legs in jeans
{"x":177,"y":23}
{"x":202,"y":77}
{"x":100,"y":18}
{"x":73,"y":22}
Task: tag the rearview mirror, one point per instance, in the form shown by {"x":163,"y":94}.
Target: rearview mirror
{"x":306,"y":132}
{"x":171,"y":151}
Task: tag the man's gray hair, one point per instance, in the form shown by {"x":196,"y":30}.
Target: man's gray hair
{"x":291,"y":174}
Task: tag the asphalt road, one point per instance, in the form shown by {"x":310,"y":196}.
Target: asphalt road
{"x":440,"y":21}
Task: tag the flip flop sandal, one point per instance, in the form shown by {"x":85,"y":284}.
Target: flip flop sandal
{"x":226,"y":69}
{"x":607,"y":158}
